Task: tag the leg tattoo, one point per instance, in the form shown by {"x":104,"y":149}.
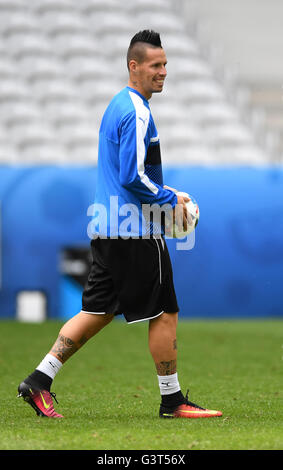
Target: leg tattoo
{"x":64,"y":348}
{"x":166,"y":367}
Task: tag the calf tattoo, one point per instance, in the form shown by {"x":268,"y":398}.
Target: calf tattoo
{"x":166,"y":367}
{"x":64,"y":348}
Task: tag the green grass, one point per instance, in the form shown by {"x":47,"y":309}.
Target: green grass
{"x":109,"y":395}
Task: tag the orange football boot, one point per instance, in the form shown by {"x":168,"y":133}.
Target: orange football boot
{"x":187,"y":410}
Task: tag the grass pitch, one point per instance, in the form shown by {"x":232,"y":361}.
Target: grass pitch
{"x":109,"y":395}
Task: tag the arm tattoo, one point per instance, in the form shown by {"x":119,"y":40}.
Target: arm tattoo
{"x":83,"y":340}
{"x":175,"y":344}
{"x":64,"y":348}
{"x":166,"y":367}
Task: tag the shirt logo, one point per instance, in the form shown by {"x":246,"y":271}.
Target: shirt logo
{"x":143,"y":120}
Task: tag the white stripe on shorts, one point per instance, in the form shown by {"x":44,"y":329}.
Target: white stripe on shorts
{"x":94,"y":313}
{"x":144,"y":319}
{"x":159,"y":255}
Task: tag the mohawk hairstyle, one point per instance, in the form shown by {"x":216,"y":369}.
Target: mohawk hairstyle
{"x":137,"y":45}
{"x":147,"y":35}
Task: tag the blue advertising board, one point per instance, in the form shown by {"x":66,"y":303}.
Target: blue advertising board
{"x":235,"y":268}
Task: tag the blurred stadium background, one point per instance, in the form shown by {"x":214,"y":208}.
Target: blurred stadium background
{"x":220,"y":121}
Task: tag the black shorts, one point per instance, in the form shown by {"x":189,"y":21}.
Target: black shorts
{"x":132,"y":277}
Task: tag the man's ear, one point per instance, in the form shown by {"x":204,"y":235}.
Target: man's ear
{"x":133,"y":66}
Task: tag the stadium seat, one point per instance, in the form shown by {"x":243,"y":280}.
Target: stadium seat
{"x":19,"y":23}
{"x":63,"y":113}
{"x":162,"y":21}
{"x":16,"y":112}
{"x":190,"y":69}
{"x":184,"y":155}
{"x":115,"y":45}
{"x":28,"y":133}
{"x":179,"y":134}
{"x":3,"y":134}
{"x":109,"y":22}
{"x":8,"y":152}
{"x":202,"y":90}
{"x":178,"y":45}
{"x":12,"y":5}
{"x":41,"y":68}
{"x":29,"y":45}
{"x":149,"y":6}
{"x":13,"y":90}
{"x":228,"y":134}
{"x":70,"y":45}
{"x":51,"y":6}
{"x":98,"y":91}
{"x":9,"y":8}
{"x":78,"y":133}
{"x":85,"y":68}
{"x":98,"y":6}
{"x":80,"y":140}
{"x":239,"y":155}
{"x":82,"y":155}
{"x":96,"y":110}
{"x":55,"y":22}
{"x":249,"y":155}
{"x":58,"y":90}
{"x":119,"y":65}
{"x":40,"y":153}
{"x":207,"y":113}
{"x":8,"y":68}
{"x":164,"y":114}
{"x":36,"y":142}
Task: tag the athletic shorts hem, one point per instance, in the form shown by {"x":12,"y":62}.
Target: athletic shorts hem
{"x":94,"y":313}
{"x":144,"y":319}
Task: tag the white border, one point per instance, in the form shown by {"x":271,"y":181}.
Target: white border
{"x":128,"y":322}
{"x":159,"y":256}
{"x":142,"y":121}
{"x":144,"y":319}
{"x":95,"y":313}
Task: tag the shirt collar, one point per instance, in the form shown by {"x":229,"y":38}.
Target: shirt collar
{"x":139,"y":94}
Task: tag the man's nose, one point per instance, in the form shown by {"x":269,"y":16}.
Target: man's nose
{"x":163,"y":71}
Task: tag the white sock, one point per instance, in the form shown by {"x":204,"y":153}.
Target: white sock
{"x":50,"y":365}
{"x":168,"y":384}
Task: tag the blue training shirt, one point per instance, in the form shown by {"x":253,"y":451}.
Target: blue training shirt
{"x":129,"y":173}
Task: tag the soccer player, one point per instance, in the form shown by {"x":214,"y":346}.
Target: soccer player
{"x":131,"y":273}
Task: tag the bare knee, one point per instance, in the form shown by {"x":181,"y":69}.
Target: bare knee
{"x":84,"y":325}
{"x":166,"y":320}
{"x":96,"y":322}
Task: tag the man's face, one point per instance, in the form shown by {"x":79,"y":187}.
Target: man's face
{"x":151,"y":73}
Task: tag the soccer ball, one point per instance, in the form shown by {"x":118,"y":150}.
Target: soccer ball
{"x":193,"y":209}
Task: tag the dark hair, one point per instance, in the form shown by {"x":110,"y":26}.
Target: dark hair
{"x":138,"y":42}
{"x":147,"y":35}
